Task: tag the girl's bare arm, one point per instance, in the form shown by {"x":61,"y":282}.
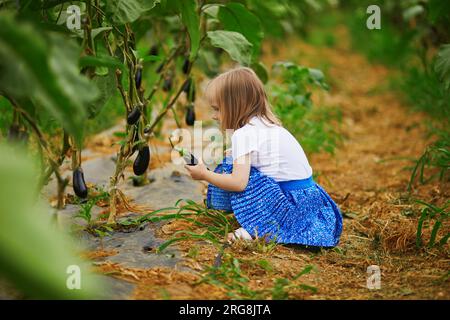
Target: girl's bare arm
{"x":236,"y":181}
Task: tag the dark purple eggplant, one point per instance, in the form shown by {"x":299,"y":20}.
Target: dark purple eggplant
{"x":186,"y":66}
{"x":189,"y":89}
{"x":138,"y":77}
{"x":142,"y":161}
{"x":79,"y":186}
{"x":13,"y":133}
{"x":190,"y":115}
{"x":167,"y":85}
{"x":154,"y":51}
{"x":190,"y":159}
{"x":134,"y":115}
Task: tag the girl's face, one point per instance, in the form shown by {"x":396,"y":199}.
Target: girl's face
{"x":216,"y":113}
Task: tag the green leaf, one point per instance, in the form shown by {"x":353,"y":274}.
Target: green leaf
{"x":106,"y":86}
{"x":444,"y":239}
{"x":208,"y":62}
{"x":47,"y":4}
{"x":46,"y":70}
{"x":318,"y":78}
{"x":126,"y":11}
{"x":422,"y":219}
{"x":234,"y":43}
{"x":438,"y":10}
{"x":212,"y":10}
{"x":306,"y":270}
{"x":191,"y":20}
{"x":412,"y":12}
{"x":308,"y":288}
{"x":101,"y":61}
{"x":261,"y":70}
{"x":271,"y":14}
{"x":442,"y":66}
{"x":95,"y":32}
{"x":142,"y":53}
{"x":34,"y":255}
{"x":236,"y":17}
{"x":434,"y":231}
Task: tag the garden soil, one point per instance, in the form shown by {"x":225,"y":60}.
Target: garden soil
{"x":367,"y":176}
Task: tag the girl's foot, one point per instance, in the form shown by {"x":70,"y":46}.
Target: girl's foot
{"x":240,"y":233}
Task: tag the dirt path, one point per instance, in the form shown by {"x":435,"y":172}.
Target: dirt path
{"x":377,"y":128}
{"x":379,"y":223}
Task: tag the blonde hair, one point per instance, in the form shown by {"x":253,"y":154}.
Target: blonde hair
{"x":239,"y":95}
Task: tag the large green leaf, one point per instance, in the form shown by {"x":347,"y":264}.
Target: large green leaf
{"x":191,"y":20}
{"x":101,"y":61}
{"x":208,"y":62}
{"x":107,"y":86}
{"x":34,"y":255}
{"x":234,"y":43}
{"x":94,"y":32}
{"x":126,"y":11}
{"x":438,"y":10}
{"x":442,"y":65}
{"x":49,"y":71}
{"x":271,"y":14}
{"x":236,"y":17}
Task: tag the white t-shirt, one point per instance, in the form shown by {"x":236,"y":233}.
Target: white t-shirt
{"x":273,"y":150}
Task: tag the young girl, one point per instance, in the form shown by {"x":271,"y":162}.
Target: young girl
{"x":267,"y":182}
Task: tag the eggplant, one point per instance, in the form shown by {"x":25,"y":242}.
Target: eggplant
{"x":190,"y":159}
{"x":79,"y":186}
{"x":134,"y":115}
{"x":154,"y":51}
{"x":13,"y":133}
{"x":190,"y":115}
{"x":138,"y":77}
{"x":186,"y":66}
{"x":142,"y":161}
{"x":189,"y":89}
{"x":167,"y":85}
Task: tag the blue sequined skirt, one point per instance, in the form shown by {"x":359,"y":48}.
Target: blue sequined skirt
{"x":290,"y":212}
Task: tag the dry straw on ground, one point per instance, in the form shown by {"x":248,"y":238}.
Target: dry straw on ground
{"x":379,"y":226}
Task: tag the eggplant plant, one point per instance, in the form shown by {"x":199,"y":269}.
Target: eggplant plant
{"x":143,"y":51}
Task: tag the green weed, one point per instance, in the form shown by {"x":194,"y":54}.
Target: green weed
{"x":214,"y":224}
{"x":231,"y":276}
{"x":436,"y":156}
{"x":425,"y":91}
{"x":434,"y":217}
{"x":293,"y":104}
{"x":96,"y":195}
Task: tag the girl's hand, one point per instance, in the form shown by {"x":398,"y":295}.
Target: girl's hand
{"x":197,"y":172}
